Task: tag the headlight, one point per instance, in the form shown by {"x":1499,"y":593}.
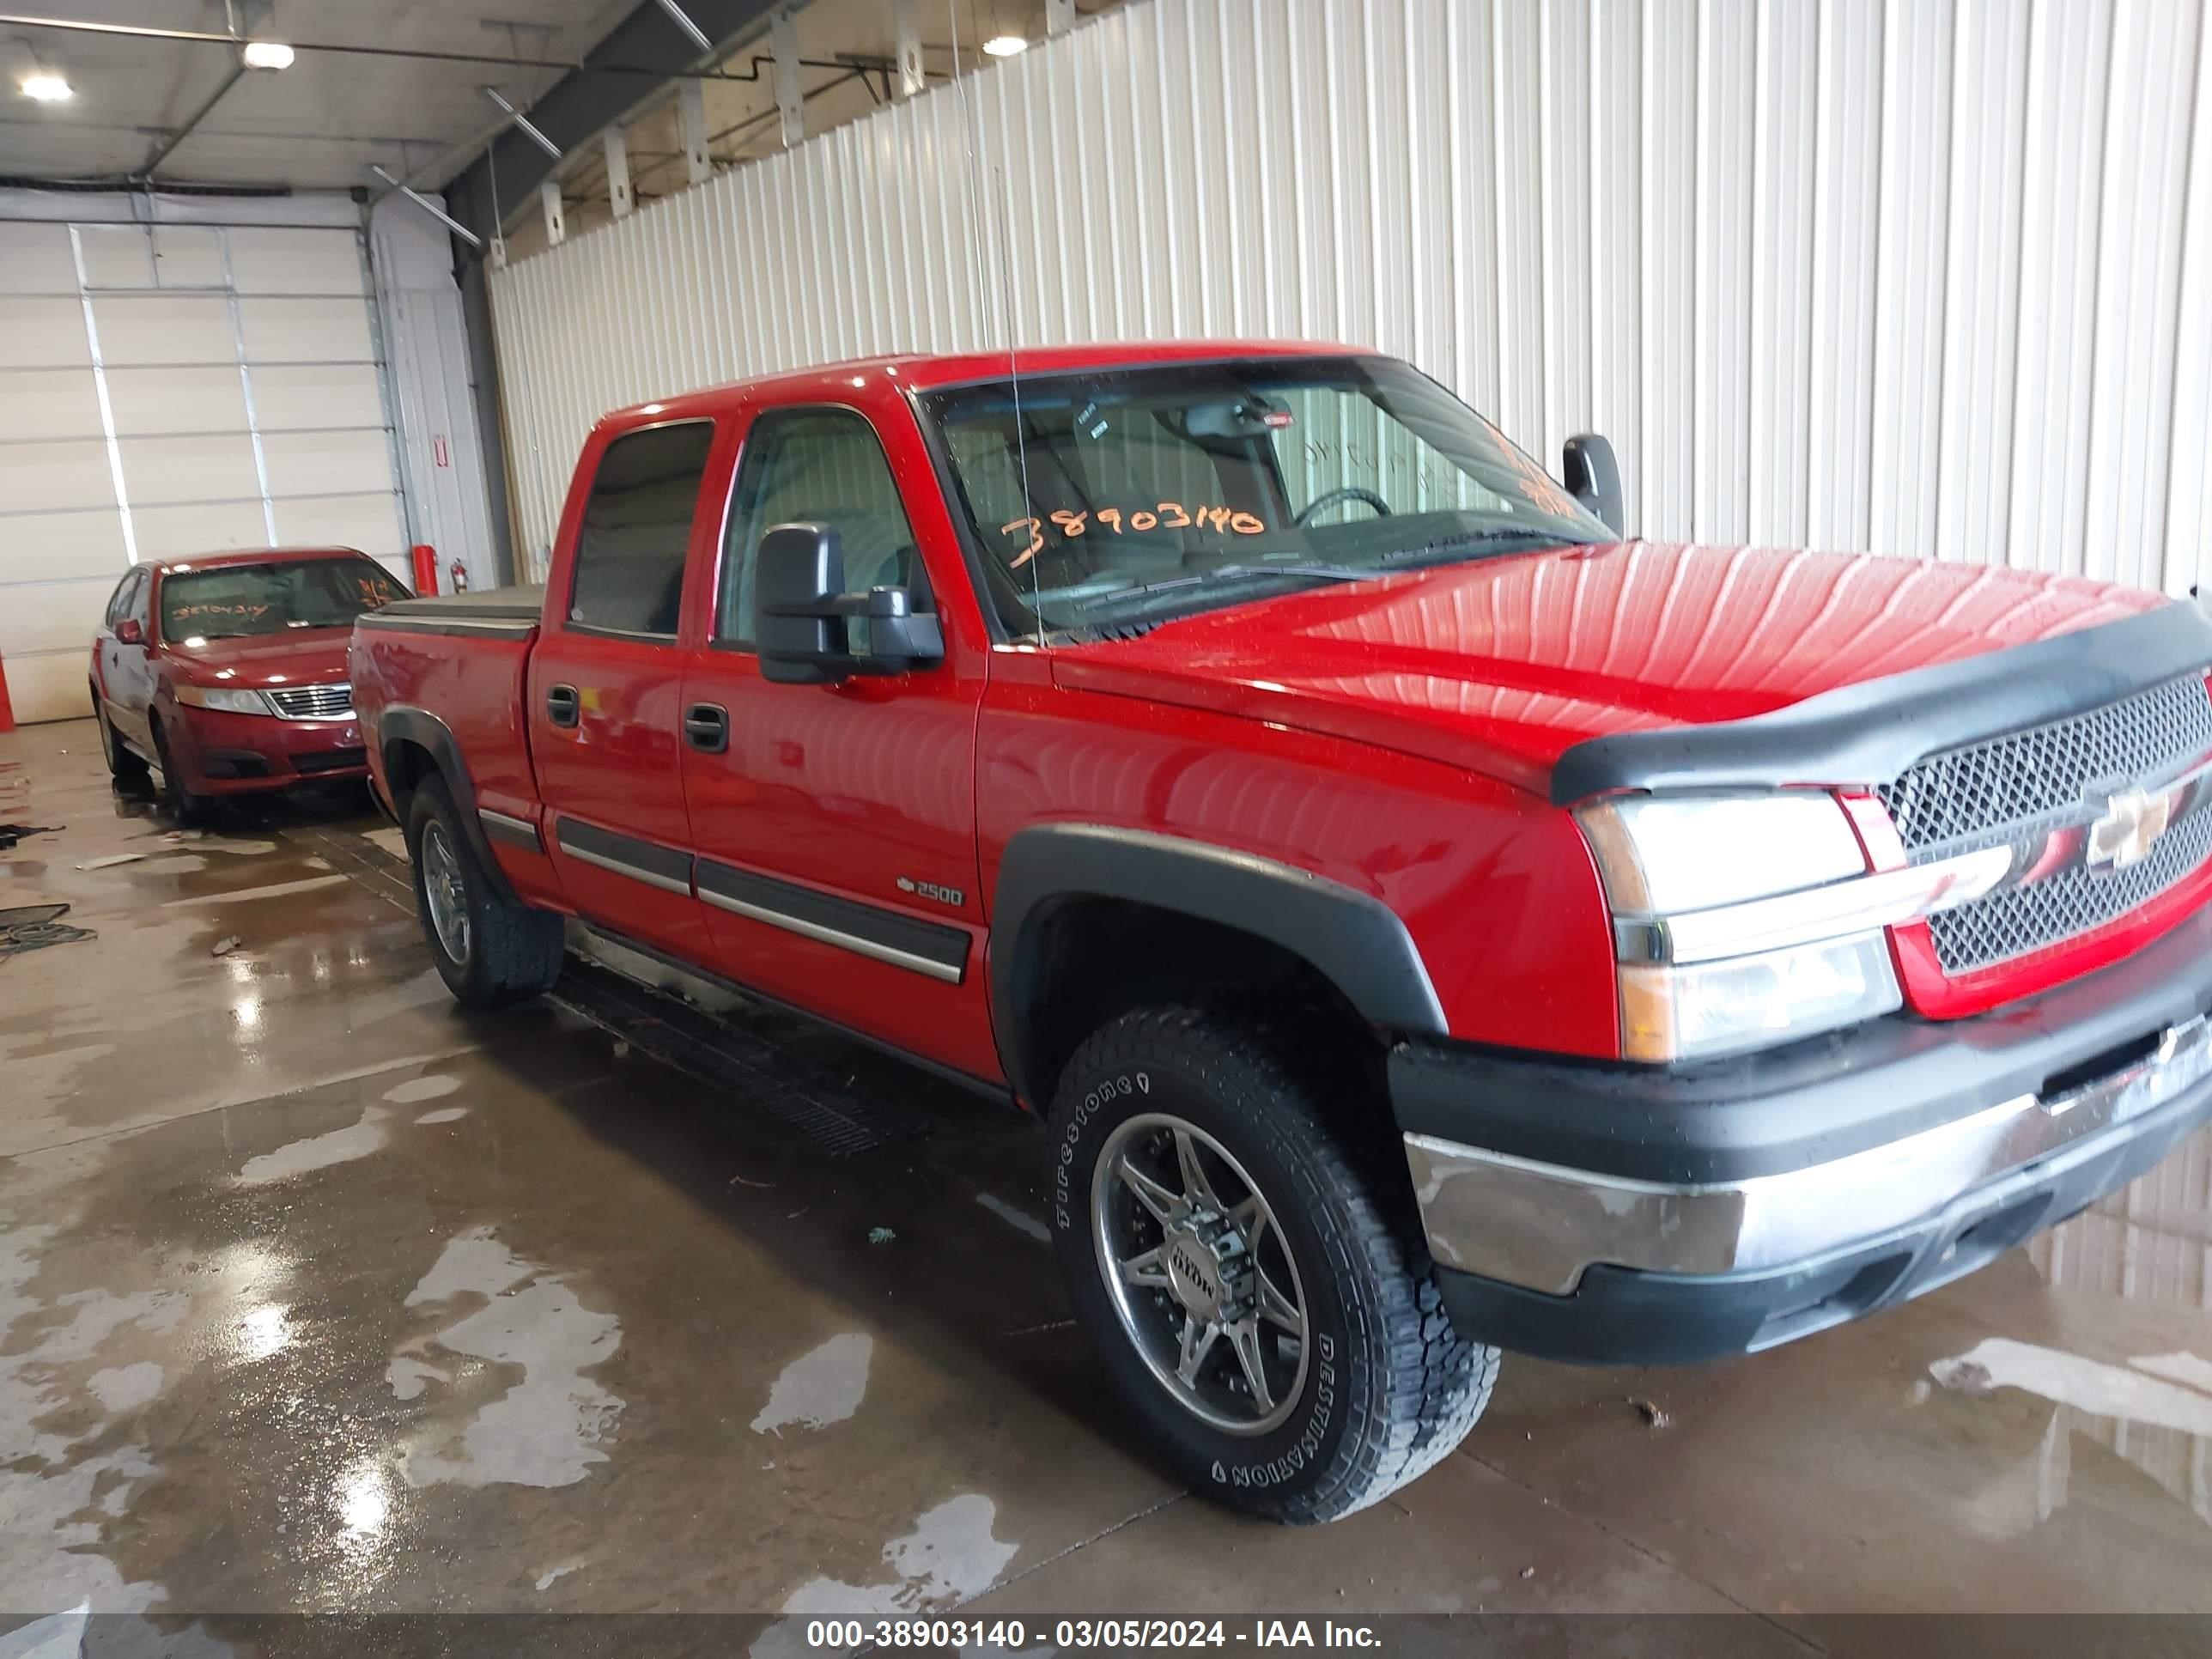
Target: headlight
{"x":1743,"y":921}
{"x":1692,"y":1010}
{"x":227,"y":699}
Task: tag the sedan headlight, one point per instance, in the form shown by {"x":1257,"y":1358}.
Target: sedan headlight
{"x":1742,"y":920}
{"x":228,"y":699}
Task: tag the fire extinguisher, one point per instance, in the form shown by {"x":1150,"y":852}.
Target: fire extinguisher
{"x":459,"y":573}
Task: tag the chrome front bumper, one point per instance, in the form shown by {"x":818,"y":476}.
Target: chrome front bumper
{"x":1540,"y":1226}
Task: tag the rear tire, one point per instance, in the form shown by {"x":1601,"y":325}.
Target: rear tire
{"x":126,"y":766}
{"x":1333,"y":1374}
{"x":490,"y":952}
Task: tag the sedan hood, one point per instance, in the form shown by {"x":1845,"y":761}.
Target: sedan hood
{"x":307,"y":656}
{"x":1503,"y":664}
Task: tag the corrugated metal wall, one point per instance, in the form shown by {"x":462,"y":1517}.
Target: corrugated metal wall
{"x":1931,"y":276}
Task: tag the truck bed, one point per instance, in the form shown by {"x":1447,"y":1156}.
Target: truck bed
{"x":505,"y":606}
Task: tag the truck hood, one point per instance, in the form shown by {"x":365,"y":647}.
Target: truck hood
{"x":1504,"y":663}
{"x":310,"y":656}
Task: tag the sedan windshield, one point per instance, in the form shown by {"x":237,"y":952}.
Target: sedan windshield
{"x":1121,"y":496}
{"x":234,"y":599}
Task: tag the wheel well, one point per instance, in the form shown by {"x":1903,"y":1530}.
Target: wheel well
{"x":1087,"y":960}
{"x":406,"y":763}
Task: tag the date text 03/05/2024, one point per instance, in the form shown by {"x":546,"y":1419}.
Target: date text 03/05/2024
{"x":1014,"y":1635}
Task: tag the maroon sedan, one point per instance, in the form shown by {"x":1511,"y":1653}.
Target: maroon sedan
{"x":227,"y":670}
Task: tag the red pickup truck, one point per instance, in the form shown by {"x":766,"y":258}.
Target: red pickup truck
{"x":1431,"y":923}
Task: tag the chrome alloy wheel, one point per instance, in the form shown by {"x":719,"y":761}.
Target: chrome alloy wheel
{"x":1199,"y":1273}
{"x":445,"y":892}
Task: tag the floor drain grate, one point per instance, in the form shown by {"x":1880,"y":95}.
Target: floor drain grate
{"x":771,"y":1078}
{"x":388,"y":877}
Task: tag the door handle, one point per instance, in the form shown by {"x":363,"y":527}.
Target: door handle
{"x":563,"y":706}
{"x":707,"y":727}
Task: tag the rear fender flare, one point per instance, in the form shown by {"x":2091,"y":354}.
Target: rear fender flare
{"x":402,"y":723}
{"x":1351,"y":939}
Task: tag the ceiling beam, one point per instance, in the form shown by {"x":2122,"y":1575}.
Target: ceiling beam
{"x":167,"y":147}
{"x":667,"y":65}
{"x":585,"y":101}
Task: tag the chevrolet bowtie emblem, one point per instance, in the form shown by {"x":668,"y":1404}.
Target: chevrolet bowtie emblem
{"x":2131,"y":823}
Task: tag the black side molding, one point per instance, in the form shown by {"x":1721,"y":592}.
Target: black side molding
{"x":928,"y":948}
{"x":1350,"y":937}
{"x":648,"y":861}
{"x":1872,"y":733}
{"x":515,"y":832}
{"x":403,"y":723}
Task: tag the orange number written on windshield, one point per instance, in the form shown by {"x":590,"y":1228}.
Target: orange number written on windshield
{"x":1111,"y":520}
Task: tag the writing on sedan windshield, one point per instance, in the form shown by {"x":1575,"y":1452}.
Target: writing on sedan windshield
{"x":240,"y":612}
{"x":1111,"y":520}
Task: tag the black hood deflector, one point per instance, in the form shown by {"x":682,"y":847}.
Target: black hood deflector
{"x":1873,"y":733}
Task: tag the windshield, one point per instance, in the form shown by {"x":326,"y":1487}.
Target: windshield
{"x":1124,"y":496}
{"x":236,"y":599}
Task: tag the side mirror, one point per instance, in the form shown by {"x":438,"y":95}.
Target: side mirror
{"x":127,"y":632}
{"x":803,"y":616}
{"x":1593,"y":476}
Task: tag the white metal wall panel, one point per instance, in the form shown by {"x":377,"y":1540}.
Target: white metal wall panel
{"x":2146,"y":148}
{"x":1932,"y":276}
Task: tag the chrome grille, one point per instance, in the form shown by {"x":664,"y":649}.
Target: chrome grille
{"x":2020,"y":788}
{"x":312,"y":702}
{"x":1981,"y":793}
{"x":2015,"y":921}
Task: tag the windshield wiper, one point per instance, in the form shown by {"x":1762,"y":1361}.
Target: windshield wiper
{"x":1402,"y":555}
{"x":1311,"y":571}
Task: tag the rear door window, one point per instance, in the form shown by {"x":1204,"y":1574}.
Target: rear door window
{"x":637,"y":528}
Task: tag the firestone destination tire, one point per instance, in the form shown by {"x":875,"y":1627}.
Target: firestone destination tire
{"x":491,"y":953}
{"x":1262,"y":1299}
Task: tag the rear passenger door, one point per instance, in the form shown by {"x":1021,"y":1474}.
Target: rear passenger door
{"x":604,"y":701}
{"x":835,"y":828}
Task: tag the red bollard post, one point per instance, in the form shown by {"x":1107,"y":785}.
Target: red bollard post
{"x":426,"y":570}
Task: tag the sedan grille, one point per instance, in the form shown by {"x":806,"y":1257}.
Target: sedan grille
{"x":2051,"y":780}
{"x":313,"y":703}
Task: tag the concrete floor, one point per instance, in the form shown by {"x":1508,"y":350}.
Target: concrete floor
{"x":318,"y":1293}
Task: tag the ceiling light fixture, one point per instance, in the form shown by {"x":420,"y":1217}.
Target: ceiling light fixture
{"x":1005,"y":46}
{"x":47,"y":85}
{"x":267,"y":55}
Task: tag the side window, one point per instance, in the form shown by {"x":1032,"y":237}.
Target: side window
{"x":139,"y":606}
{"x":637,"y":526}
{"x":119,"y":602}
{"x":823,"y":466}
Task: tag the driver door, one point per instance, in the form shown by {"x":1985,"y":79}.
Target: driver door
{"x":836,"y":825}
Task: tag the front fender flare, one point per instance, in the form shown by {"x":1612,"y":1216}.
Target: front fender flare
{"x":1352,"y":939}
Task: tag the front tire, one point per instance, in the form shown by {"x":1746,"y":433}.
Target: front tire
{"x":186,"y":805}
{"x":1262,"y":1298}
{"x":125,"y":767}
{"x":490,"y":952}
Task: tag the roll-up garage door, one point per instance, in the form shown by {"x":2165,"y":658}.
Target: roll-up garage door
{"x":168,"y":390}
